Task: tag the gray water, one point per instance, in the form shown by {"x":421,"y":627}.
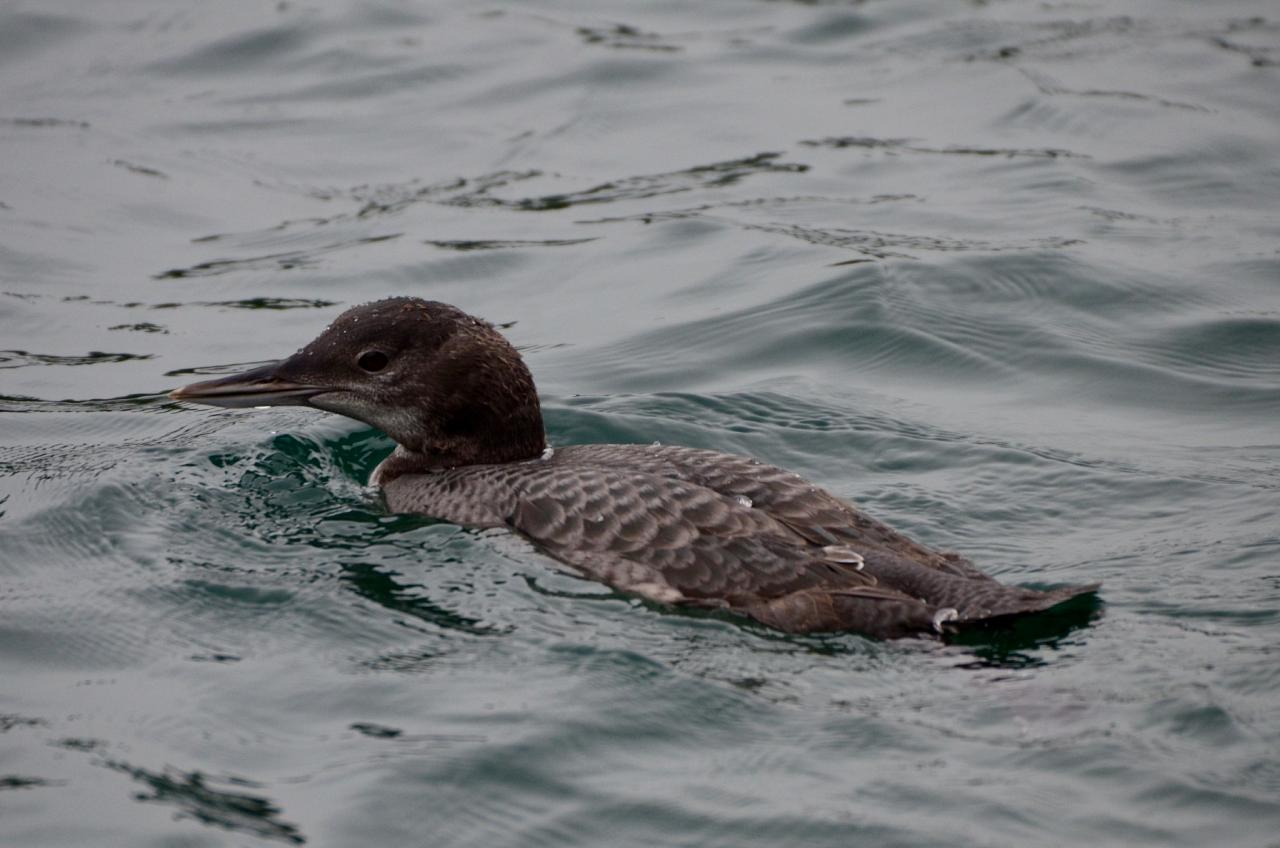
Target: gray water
{"x":1007,"y":274}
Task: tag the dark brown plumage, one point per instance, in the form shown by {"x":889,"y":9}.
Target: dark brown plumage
{"x":675,"y":525}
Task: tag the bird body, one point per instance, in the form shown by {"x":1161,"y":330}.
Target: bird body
{"x":675,"y":525}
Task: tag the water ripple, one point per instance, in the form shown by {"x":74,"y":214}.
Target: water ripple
{"x":1004,"y":274}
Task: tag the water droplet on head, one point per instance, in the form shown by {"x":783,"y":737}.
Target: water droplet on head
{"x":744,"y":500}
{"x":656,"y":444}
{"x":548,"y":452}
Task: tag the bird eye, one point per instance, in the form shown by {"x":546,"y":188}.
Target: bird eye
{"x":372,"y":361}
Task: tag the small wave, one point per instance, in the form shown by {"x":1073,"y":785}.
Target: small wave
{"x":227,"y":806}
{"x":905,"y":145}
{"x":283,"y":261}
{"x":23,"y":358}
{"x":625,"y":37}
{"x":504,"y":244}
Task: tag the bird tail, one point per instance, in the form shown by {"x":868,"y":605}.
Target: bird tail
{"x":997,"y":601}
{"x":973,"y":599}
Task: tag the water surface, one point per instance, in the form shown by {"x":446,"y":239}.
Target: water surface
{"x":1004,"y":273}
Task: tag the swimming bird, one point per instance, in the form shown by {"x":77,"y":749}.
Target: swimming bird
{"x":675,"y":525}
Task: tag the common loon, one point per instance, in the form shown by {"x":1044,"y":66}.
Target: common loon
{"x":681,"y":526}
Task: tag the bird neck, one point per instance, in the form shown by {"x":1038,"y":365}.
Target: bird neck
{"x":483,"y":410}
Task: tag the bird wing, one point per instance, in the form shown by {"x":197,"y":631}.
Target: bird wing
{"x":671,"y":540}
{"x":807,"y":510}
